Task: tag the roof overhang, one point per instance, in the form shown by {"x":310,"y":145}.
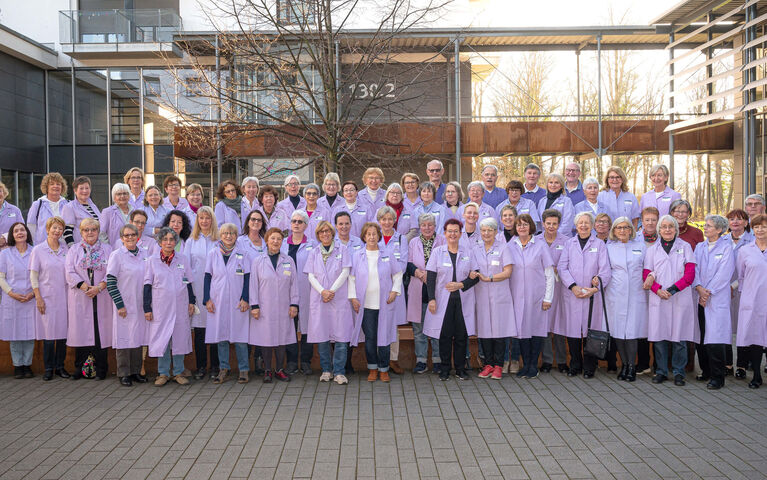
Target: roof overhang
{"x":17,"y":45}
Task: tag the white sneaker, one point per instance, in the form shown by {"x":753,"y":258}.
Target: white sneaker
{"x":514,"y":366}
{"x":326,"y":377}
{"x":341,"y":379}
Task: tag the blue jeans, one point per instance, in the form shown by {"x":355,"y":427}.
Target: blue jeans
{"x":240,"y":349}
{"x":421,"y":342}
{"x":22,"y":352}
{"x":513,"y":351}
{"x":678,"y":357}
{"x":335,"y":363}
{"x":377,"y":357}
{"x":163,"y":363}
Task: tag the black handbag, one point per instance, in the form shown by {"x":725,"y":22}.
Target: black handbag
{"x":597,"y":341}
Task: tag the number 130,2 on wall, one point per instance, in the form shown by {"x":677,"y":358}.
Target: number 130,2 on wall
{"x":372,"y":90}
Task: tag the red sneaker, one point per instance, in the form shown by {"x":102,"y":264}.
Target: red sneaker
{"x":497,"y":373}
{"x":486,"y":371}
{"x":282,"y":376}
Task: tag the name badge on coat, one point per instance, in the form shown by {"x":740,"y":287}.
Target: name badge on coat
{"x":11,"y":215}
{"x":636,"y":252}
{"x":559,"y":247}
{"x":666,"y":199}
{"x":339,"y":256}
{"x":447,"y":264}
{"x":680,"y":251}
{"x":718,"y":256}
{"x":593,"y":249}
{"x":495,"y":263}
{"x":628,"y":202}
{"x":384,"y":259}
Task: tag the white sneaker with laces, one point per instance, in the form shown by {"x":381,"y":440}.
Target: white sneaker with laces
{"x":341,"y":379}
{"x":326,"y":377}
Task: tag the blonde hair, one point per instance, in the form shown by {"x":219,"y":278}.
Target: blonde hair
{"x":322,"y":226}
{"x":130,"y":172}
{"x":559,"y":178}
{"x":6,"y":193}
{"x":619,"y":171}
{"x":88,"y":221}
{"x":373,"y":171}
{"x":52,"y":220}
{"x":54,"y":177}
{"x":196,"y":230}
{"x":619,"y":221}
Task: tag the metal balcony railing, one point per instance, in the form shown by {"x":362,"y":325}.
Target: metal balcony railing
{"x":118,"y":26}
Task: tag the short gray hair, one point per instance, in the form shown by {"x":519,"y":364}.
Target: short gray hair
{"x":331,"y":177}
{"x":619,"y":221}
{"x":489,"y":165}
{"x":533,"y":167}
{"x":590,"y":181}
{"x":470,"y":204}
{"x":229,"y":227}
{"x":312,"y":186}
{"x":384,"y":211}
{"x":660,"y":167}
{"x":289,"y":178}
{"x":669,"y":218}
{"x":120,"y":188}
{"x":720,"y":223}
{"x":676,"y":203}
{"x":755,"y":196}
{"x":128,"y":226}
{"x":247,"y":180}
{"x":301,"y":213}
{"x":441,"y":167}
{"x":391,"y":187}
{"x":164,"y":232}
{"x":477,"y":184}
{"x":489,"y":222}
{"x":582,"y":214}
{"x":427,"y":218}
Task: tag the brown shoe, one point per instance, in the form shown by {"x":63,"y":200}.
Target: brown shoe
{"x":385,"y":377}
{"x":244,"y":378}
{"x":181,"y":380}
{"x":394,"y":367}
{"x":161,"y":380}
{"x":372,"y":375}
{"x":221,"y":377}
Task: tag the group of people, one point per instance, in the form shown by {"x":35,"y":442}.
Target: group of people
{"x":527,"y":270}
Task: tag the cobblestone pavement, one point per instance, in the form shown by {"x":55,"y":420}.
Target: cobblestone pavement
{"x":414,"y":427}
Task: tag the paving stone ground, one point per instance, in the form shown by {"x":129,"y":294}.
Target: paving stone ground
{"x":414,"y":427}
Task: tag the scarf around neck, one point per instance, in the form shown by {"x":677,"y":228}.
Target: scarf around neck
{"x":94,"y":257}
{"x":233,"y":203}
{"x":551,"y":197}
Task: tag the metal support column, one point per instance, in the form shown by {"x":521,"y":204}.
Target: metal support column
{"x":46,"y":86}
{"x":336,"y":163}
{"x":709,"y":109}
{"x":671,"y":114}
{"x":752,"y":98}
{"x":457,"y":90}
{"x":578,"y":80}
{"x":109,"y":136}
{"x":219,"y":153}
{"x":142,"y":139}
{"x":599,"y":97}
{"x":74,"y":117}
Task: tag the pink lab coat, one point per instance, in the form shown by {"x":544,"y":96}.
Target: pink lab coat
{"x":274,"y":291}
{"x":170,"y":305}
{"x":555,"y":315}
{"x":111,"y":222}
{"x":673,"y":319}
{"x":131,"y":331}
{"x":224,"y":214}
{"x":528,"y":286}
{"x":334,"y":320}
{"x":579,"y":266}
{"x":415,"y":288}
{"x":625,"y":297}
{"x":388,"y":266}
{"x":285,"y":207}
{"x":197,"y":253}
{"x":370,"y":204}
{"x":17,"y":319}
{"x":440,"y":263}
{"x":752,"y":283}
{"x":494,"y":304}
{"x":73,"y":213}
{"x":650,"y":199}
{"x":303,"y":280}
{"x":397,"y":249}
{"x":80,"y":332}
{"x":51,"y":268}
{"x":564,"y":206}
{"x":39,"y":213}
{"x":227,"y":323}
{"x":713,"y":271}
{"x":623,"y":205}
{"x":320,"y":214}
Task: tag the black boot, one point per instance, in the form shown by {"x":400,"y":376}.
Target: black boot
{"x":622,"y":373}
{"x":631,"y":373}
{"x":18,"y":373}
{"x":28,"y":371}
{"x":48,"y":375}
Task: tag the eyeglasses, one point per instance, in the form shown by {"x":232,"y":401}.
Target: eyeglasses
{"x":411,"y":182}
{"x":350,"y":190}
{"x":614,"y":177}
{"x":295,"y":220}
{"x":311,"y":194}
{"x":90,"y":230}
{"x":129,"y":235}
{"x":174,"y":185}
{"x":603,"y":222}
{"x":571,"y":170}
{"x":255,"y":219}
{"x":623,"y":227}
{"x":396,"y":193}
{"x":228,"y":232}
{"x":230,"y":190}
{"x":138,"y":222}
{"x":434,"y":170}
{"x":292,"y":184}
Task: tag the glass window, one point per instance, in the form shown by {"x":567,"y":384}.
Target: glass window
{"x":90,"y":107}
{"x":60,"y":107}
{"x":124,"y":108}
{"x":24,"y":200}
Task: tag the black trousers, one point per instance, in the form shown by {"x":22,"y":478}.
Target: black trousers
{"x":494,"y":350}
{"x":201,"y":351}
{"x":643,"y":354}
{"x":54,"y":353}
{"x":711,"y":357}
{"x":99,"y":354}
{"x":279,"y":355}
{"x":743,"y":358}
{"x":306,"y":351}
{"x":453,"y":337}
{"x":578,"y":361}
{"x":612,"y":355}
